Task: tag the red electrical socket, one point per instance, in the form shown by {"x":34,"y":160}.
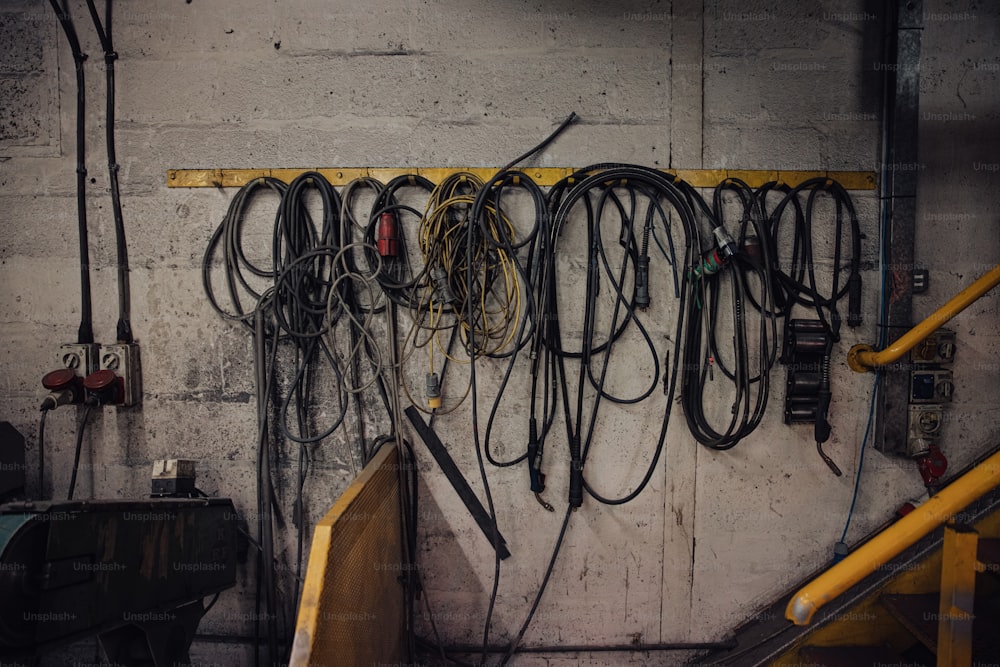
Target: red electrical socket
{"x":106,"y":386}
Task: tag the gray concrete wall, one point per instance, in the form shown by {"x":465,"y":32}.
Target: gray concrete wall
{"x":752,"y":85}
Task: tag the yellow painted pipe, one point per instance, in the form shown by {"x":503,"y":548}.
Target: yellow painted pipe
{"x":863,"y":358}
{"x":888,"y":544}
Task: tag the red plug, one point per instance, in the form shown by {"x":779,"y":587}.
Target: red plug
{"x":932,"y":465}
{"x":388,"y":235}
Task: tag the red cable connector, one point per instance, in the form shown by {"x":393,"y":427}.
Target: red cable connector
{"x":388,"y":235}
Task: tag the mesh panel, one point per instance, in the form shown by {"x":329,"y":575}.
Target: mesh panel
{"x":352,"y":601}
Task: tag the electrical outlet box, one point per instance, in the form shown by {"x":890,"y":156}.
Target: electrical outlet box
{"x":931,"y":386}
{"x":937,"y":348}
{"x":924,"y":428}
{"x":173,"y":477}
{"x":123,"y":359}
{"x":80,"y":357}
{"x":926,"y":420}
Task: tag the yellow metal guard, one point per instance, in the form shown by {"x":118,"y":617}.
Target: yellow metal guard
{"x":351,"y":611}
{"x":958,"y":592}
{"x":890,"y":542}
{"x":863,"y":358}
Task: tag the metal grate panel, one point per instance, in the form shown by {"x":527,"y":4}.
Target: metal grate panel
{"x":351,"y":611}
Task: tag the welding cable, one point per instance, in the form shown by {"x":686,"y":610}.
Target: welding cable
{"x":544,"y":144}
{"x":541,"y":589}
{"x":264,"y":366}
{"x":85,"y":333}
{"x":351,"y":225}
{"x":799,"y":283}
{"x":80,"y":431}
{"x":724,"y":272}
{"x":385,"y":225}
{"x":527,"y":322}
{"x":105,"y":34}
{"x":41,"y":453}
{"x":358,"y":308}
{"x":471,"y":276}
{"x":653,"y":185}
{"x":304,"y":260}
{"x":579,"y":437}
{"x":239,"y":271}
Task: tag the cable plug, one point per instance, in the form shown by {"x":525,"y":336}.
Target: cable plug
{"x":58,"y":398}
{"x":642,"y":282}
{"x":65,"y":388}
{"x":725,"y":242}
{"x":441,"y":285}
{"x":433,"y":391}
{"x":388,"y":235}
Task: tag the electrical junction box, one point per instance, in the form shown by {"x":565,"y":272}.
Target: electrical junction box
{"x":931,"y":389}
{"x":931,"y":386}
{"x":173,"y":477}
{"x":123,"y":359}
{"x":926,"y":423}
{"x":937,"y":348}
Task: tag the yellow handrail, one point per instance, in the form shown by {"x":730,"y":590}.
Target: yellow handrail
{"x":863,"y":358}
{"x":893,"y":540}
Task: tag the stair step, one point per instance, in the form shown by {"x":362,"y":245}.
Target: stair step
{"x":849,"y":656}
{"x":918,"y":613}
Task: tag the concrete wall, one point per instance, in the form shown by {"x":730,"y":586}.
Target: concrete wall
{"x":312,"y":83}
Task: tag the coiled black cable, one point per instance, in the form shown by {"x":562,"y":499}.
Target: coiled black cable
{"x":799,"y":282}
{"x":579,"y":434}
{"x":726,"y":272}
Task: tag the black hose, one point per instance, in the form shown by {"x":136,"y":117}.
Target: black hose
{"x":85,"y":333}
{"x":41,"y":455}
{"x":80,"y":431}
{"x":104,"y":32}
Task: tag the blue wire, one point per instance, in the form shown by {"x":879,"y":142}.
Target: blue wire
{"x":882,"y":335}
{"x":861,"y":460}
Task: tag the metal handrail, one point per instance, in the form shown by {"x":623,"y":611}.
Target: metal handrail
{"x":863,"y":358}
{"x":888,"y":544}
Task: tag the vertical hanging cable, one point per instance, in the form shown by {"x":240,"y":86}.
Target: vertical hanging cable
{"x":110,"y":56}
{"x":85,"y":334}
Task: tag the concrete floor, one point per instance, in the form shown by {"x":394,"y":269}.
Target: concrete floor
{"x":755,"y":85}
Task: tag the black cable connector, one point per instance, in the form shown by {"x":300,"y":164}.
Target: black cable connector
{"x":642,"y":282}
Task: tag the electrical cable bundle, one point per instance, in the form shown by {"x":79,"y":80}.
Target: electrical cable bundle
{"x":477,"y":284}
{"x":798,"y":284}
{"x":738,"y":273}
{"x":302,"y":299}
{"x":104,"y":33}
{"x":85,"y":332}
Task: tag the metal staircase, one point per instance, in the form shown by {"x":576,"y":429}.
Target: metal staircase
{"x":937,"y":602}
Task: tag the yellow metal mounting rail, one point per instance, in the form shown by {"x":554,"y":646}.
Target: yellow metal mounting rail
{"x":875,"y":553}
{"x":544,"y":176}
{"x":863,"y":358}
